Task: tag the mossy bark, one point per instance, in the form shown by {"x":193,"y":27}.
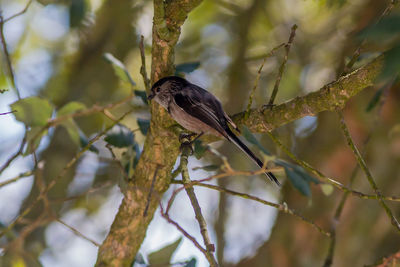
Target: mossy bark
{"x":160,"y":150}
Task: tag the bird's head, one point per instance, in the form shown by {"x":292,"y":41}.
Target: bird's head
{"x":164,"y":89}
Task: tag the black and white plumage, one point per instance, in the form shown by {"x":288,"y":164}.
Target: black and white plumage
{"x":199,"y":111}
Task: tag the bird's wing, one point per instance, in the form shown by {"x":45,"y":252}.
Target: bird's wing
{"x":202,"y":105}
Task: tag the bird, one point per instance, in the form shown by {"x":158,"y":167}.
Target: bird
{"x":199,"y":111}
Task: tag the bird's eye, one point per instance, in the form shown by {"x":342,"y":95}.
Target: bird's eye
{"x":157,"y":89}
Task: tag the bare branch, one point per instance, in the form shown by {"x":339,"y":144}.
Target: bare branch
{"x":367,"y":172}
{"x":180,"y":229}
{"x":281,"y":207}
{"x":78,"y":233}
{"x":61,"y":174}
{"x":19,"y":13}
{"x":282,"y":67}
{"x":270,"y":54}
{"x":324,"y":178}
{"x":9,"y":112}
{"x":17,"y":178}
{"x":143,"y":71}
{"x":7,"y":56}
{"x":329,"y":97}
{"x":210,"y":248}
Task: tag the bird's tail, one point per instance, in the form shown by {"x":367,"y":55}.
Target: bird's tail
{"x":234,"y":139}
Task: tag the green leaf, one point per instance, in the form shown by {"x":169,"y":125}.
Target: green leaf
{"x":191,"y":263}
{"x":253,"y":140}
{"x":142,"y":95}
{"x":136,"y":158}
{"x":123,"y":138}
{"x":33,"y":138}
{"x":70,"y":108}
{"x":186,"y":67}
{"x":391,"y":67}
{"x":298,"y":177}
{"x":394,"y":132}
{"x":208,"y":168}
{"x":298,"y":182}
{"x":84,"y":142}
{"x":139,"y":259}
{"x":338,"y":3}
{"x":119,"y":69}
{"x":327,"y":189}
{"x":33,"y":111}
{"x":144,"y":125}
{"x":77,"y":11}
{"x":387,"y":27}
{"x":73,"y":131}
{"x":163,"y":255}
{"x":199,"y":149}
{"x":374,"y":100}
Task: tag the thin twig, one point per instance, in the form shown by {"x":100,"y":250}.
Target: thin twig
{"x":13,"y":157}
{"x":61,"y":174}
{"x":7,"y":57}
{"x":84,"y":194}
{"x":282,"y":67}
{"x":210,"y":248}
{"x":118,"y":162}
{"x":88,"y":111}
{"x":364,"y":167}
{"x":13,"y":83}
{"x":12,"y":180}
{"x":388,"y":261}
{"x":335,"y":220}
{"x":19,"y":13}
{"x":143,"y":71}
{"x":323,"y":178}
{"x":228,"y":172}
{"x":8,"y":112}
{"x":84,"y":112}
{"x":270,"y":54}
{"x":265,"y":55}
{"x":186,"y":234}
{"x":76,"y":232}
{"x":357,"y":52}
{"x":281,"y":207}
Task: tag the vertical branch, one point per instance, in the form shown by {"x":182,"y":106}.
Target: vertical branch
{"x":270,"y":54}
{"x":331,"y":250}
{"x":364,"y":167}
{"x":161,"y":147}
{"x":220,"y":222}
{"x":143,"y":71}
{"x":186,"y":150}
{"x":282,"y":67}
{"x":7,"y":56}
{"x":12,"y":79}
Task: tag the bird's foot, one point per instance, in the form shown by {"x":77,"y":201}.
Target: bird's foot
{"x":186,"y":137}
{"x":186,"y":140}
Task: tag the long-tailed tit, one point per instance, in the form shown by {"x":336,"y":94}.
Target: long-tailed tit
{"x":199,"y":111}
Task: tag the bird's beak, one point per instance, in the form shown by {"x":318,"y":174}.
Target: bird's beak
{"x":151,"y":96}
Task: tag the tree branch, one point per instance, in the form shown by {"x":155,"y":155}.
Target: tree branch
{"x":161,"y":147}
{"x":210,"y":248}
{"x":330,"y":97}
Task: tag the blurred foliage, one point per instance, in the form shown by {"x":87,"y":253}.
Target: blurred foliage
{"x":32,"y":111}
{"x":71,"y":56}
